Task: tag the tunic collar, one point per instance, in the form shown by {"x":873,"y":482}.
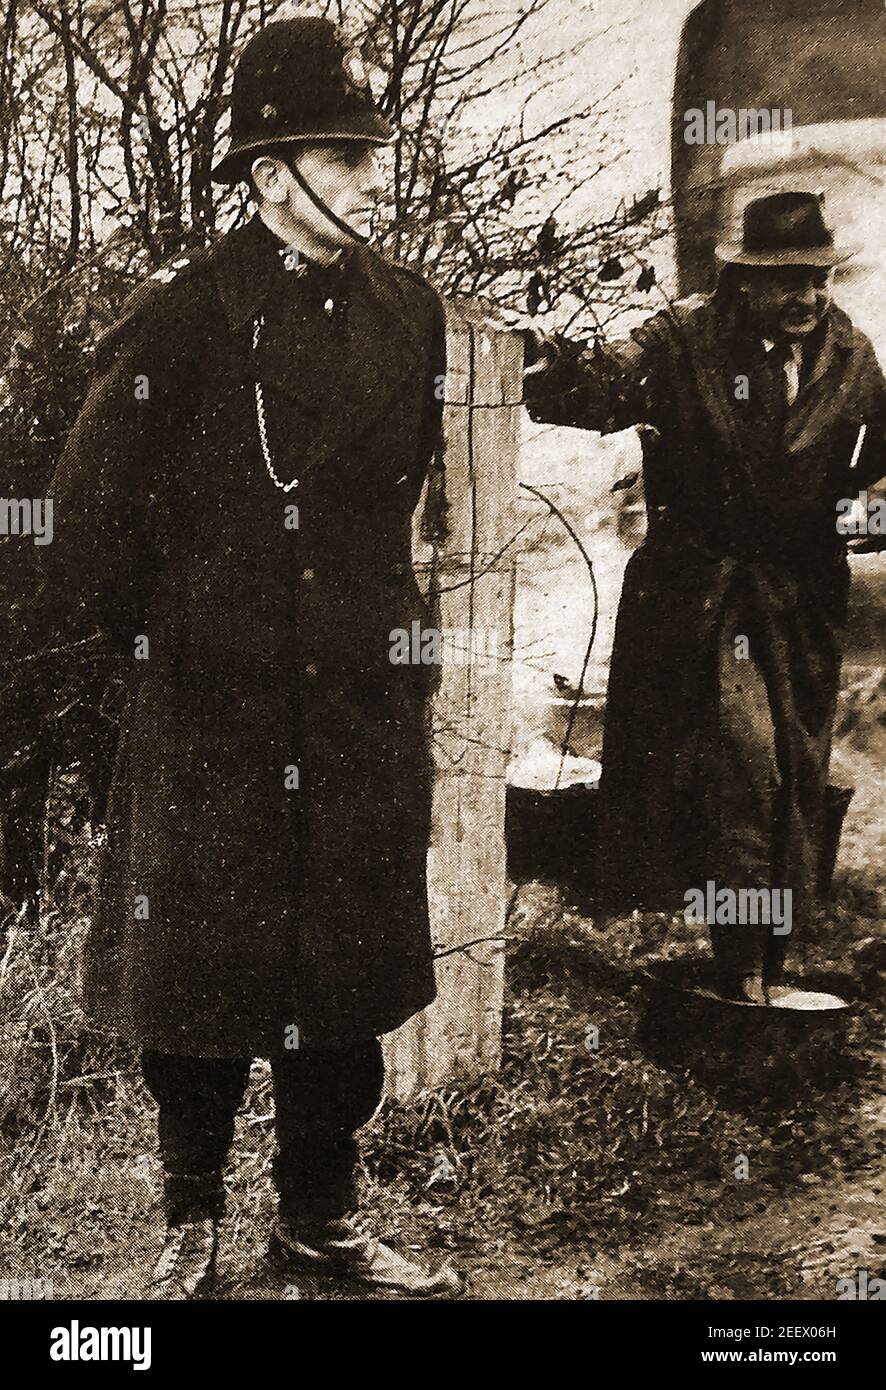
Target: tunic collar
{"x":250,"y":268}
{"x":252,"y":278}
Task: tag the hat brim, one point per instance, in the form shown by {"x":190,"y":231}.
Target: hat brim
{"x":822,"y":257}
{"x":368,"y":128}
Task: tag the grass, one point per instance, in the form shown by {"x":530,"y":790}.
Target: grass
{"x":571,"y":1147}
{"x":596,"y":1137}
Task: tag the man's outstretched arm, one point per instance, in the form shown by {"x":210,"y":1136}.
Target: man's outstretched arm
{"x":605,"y":387}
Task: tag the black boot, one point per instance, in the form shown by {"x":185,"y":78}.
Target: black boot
{"x":343,"y":1250}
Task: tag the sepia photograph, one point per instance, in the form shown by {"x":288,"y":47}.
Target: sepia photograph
{"x":443,"y":697}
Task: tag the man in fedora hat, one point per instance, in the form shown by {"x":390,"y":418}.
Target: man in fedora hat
{"x":765,"y":408}
{"x":233,"y":513}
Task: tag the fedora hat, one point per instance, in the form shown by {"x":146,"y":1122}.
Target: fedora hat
{"x":784,"y":229}
{"x":297,"y":81}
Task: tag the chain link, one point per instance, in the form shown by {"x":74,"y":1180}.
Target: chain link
{"x":260,"y":417}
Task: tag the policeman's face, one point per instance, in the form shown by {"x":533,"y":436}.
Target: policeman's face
{"x":787,"y":300}
{"x":347,"y":177}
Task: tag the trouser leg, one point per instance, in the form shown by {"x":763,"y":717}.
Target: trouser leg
{"x":322,"y":1096}
{"x":745,"y":798}
{"x":197,"y":1099}
{"x":21,"y":825}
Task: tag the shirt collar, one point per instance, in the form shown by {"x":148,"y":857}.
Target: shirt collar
{"x":795,"y":348}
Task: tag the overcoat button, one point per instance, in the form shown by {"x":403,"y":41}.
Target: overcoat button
{"x":311,"y":669}
{"x":307,"y":574}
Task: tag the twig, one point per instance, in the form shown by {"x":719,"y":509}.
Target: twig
{"x":466,"y":945}
{"x":587,"y":657}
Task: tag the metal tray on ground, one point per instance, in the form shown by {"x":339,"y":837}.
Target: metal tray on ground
{"x":696,"y":981}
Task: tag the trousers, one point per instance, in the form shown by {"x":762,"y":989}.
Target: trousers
{"x":321,"y":1097}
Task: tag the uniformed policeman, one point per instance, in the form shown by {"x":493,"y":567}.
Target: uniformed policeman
{"x":233,"y":511}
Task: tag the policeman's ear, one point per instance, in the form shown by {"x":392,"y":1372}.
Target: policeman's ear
{"x":268,"y":175}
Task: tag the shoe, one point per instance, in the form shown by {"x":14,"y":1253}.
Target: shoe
{"x":186,"y":1267}
{"x":342,"y":1250}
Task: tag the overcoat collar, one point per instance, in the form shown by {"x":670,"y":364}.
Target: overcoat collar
{"x":708,"y":338}
{"x":821,"y":392}
{"x":378,"y":353}
{"x":247,"y":267}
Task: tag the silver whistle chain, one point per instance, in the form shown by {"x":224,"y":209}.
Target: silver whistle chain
{"x":260,"y":417}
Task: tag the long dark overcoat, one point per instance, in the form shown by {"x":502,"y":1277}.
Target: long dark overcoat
{"x":716,"y":750}
{"x":269,"y":815}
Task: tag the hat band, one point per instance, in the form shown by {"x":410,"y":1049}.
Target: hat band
{"x":758,"y":245}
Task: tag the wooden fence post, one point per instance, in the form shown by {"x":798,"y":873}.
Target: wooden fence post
{"x":459,"y":1036}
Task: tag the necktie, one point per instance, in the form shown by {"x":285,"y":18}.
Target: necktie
{"x":785,"y":358}
{"x":774,"y":385}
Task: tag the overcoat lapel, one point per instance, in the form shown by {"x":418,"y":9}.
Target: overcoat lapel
{"x":705,"y":341}
{"x":702,"y":342}
{"x":821,"y":395}
{"x":384,"y":351}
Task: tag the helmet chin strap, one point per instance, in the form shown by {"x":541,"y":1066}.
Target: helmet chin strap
{"x":323,"y":207}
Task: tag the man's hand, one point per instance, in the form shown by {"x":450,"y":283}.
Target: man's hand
{"x":553,"y":375}
{"x":540,"y":352}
